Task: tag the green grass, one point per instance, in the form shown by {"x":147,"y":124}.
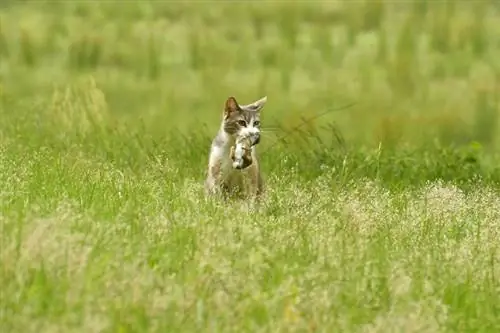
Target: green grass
{"x":379,"y":217}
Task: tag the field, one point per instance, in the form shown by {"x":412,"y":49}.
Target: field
{"x":379,"y":154}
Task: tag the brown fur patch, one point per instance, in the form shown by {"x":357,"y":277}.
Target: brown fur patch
{"x":215,"y":169}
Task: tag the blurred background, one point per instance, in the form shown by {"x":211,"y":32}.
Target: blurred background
{"x":417,"y":71}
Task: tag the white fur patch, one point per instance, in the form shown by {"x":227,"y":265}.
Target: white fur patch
{"x":246,"y":131}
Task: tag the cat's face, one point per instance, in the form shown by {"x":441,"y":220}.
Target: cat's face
{"x":243,"y":120}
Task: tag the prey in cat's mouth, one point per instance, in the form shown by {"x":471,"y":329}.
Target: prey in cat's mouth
{"x":241,"y":153}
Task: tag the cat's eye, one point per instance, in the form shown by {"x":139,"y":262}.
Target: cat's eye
{"x":256,"y":123}
{"x":242,"y":123}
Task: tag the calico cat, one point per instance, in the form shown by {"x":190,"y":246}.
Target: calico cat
{"x":233,"y":166}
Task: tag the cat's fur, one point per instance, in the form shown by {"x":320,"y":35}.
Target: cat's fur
{"x":222,"y":177}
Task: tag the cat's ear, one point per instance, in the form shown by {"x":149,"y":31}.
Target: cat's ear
{"x":255,"y":106}
{"x":231,"y":106}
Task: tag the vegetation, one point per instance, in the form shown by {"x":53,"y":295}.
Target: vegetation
{"x":381,"y":215}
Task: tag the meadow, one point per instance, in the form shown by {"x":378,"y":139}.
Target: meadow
{"x":379,"y":154}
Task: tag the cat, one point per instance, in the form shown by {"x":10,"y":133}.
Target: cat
{"x":226,"y":177}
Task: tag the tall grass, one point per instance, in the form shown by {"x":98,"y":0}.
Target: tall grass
{"x":380,"y":216}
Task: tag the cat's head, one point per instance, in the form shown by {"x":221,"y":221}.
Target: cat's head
{"x":243,"y":120}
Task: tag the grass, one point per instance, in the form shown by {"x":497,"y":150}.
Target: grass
{"x":379,"y":217}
